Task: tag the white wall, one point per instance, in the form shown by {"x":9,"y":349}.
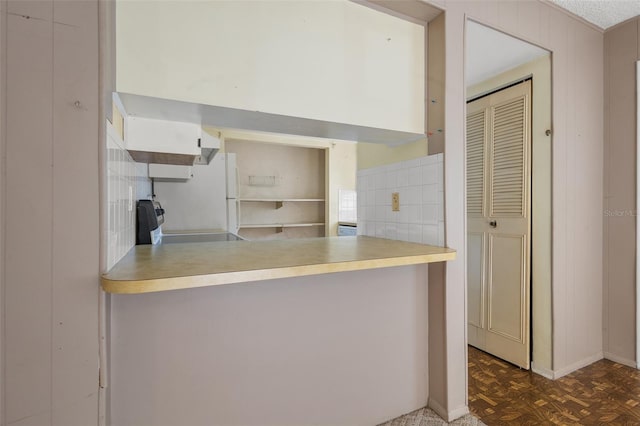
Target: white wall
{"x":336,"y":349}
{"x":199,"y":203}
{"x":51,"y":229}
{"x":577,"y":185}
{"x":334,"y":61}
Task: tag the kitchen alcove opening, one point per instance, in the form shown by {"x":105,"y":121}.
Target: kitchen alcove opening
{"x":281,"y":190}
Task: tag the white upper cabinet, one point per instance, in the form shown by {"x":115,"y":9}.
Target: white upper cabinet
{"x":334,"y":61}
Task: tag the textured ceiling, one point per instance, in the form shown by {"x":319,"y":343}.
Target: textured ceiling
{"x":602,"y":13}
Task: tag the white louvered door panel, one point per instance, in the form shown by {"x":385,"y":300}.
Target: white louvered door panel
{"x":476,"y":128}
{"x":498,"y":224}
{"x":477,"y":168}
{"x":508,"y":158}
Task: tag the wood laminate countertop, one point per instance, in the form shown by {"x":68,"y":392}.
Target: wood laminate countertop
{"x":148,"y":268}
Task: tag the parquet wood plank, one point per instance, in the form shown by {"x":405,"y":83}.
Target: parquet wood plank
{"x":601,"y":393}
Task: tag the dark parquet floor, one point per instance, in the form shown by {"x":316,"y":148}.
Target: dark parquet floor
{"x":603,"y":393}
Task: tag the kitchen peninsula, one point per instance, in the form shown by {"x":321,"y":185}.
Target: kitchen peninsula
{"x":150,"y":268}
{"x":307,"y":331}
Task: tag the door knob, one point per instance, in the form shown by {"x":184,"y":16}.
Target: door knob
{"x":493,"y":224}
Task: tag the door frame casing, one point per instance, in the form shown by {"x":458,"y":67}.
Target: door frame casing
{"x":541,"y":284}
{"x":637,"y":215}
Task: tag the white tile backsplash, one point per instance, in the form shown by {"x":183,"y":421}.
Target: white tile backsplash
{"x":430,"y":174}
{"x":415,"y":175}
{"x":127,"y":181}
{"x":403,"y":177}
{"x":420,"y":183}
{"x":430,"y":193}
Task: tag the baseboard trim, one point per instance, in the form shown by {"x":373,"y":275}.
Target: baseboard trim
{"x":620,"y":360}
{"x":544,"y":372}
{"x":448,"y":416}
{"x":439,"y":409}
{"x":458,"y":412}
{"x":577,"y":365}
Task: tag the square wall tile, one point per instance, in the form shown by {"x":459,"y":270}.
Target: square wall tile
{"x":415,"y":176}
{"x":127,"y":181}
{"x":403,"y":178}
{"x":419,"y":183}
{"x":430,"y":234}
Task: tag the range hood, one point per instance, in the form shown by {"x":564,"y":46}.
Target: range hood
{"x":156,"y":157}
{"x":158,"y":141}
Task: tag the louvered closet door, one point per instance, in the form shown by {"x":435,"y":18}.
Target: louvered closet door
{"x":498,"y":223}
{"x":478,"y":125}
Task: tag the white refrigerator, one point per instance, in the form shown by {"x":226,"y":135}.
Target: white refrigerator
{"x":233,"y":202}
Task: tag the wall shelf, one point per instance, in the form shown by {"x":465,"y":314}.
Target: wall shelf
{"x":281,"y":190}
{"x":280,"y":201}
{"x":280,"y":226}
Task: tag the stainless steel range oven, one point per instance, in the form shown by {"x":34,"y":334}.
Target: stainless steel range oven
{"x":149,"y":218}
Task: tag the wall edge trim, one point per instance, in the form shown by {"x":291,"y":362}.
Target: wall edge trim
{"x":447,"y":415}
{"x":543,"y":371}
{"x":620,"y":360}
{"x":578,"y":365}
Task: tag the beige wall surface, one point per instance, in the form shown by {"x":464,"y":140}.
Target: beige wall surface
{"x":337,"y":349}
{"x":436,"y":74}
{"x":621,"y":50}
{"x":3,"y":179}
{"x":375,"y":154}
{"x":577,"y":151}
{"x":51,"y":214}
{"x":540,"y":70}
